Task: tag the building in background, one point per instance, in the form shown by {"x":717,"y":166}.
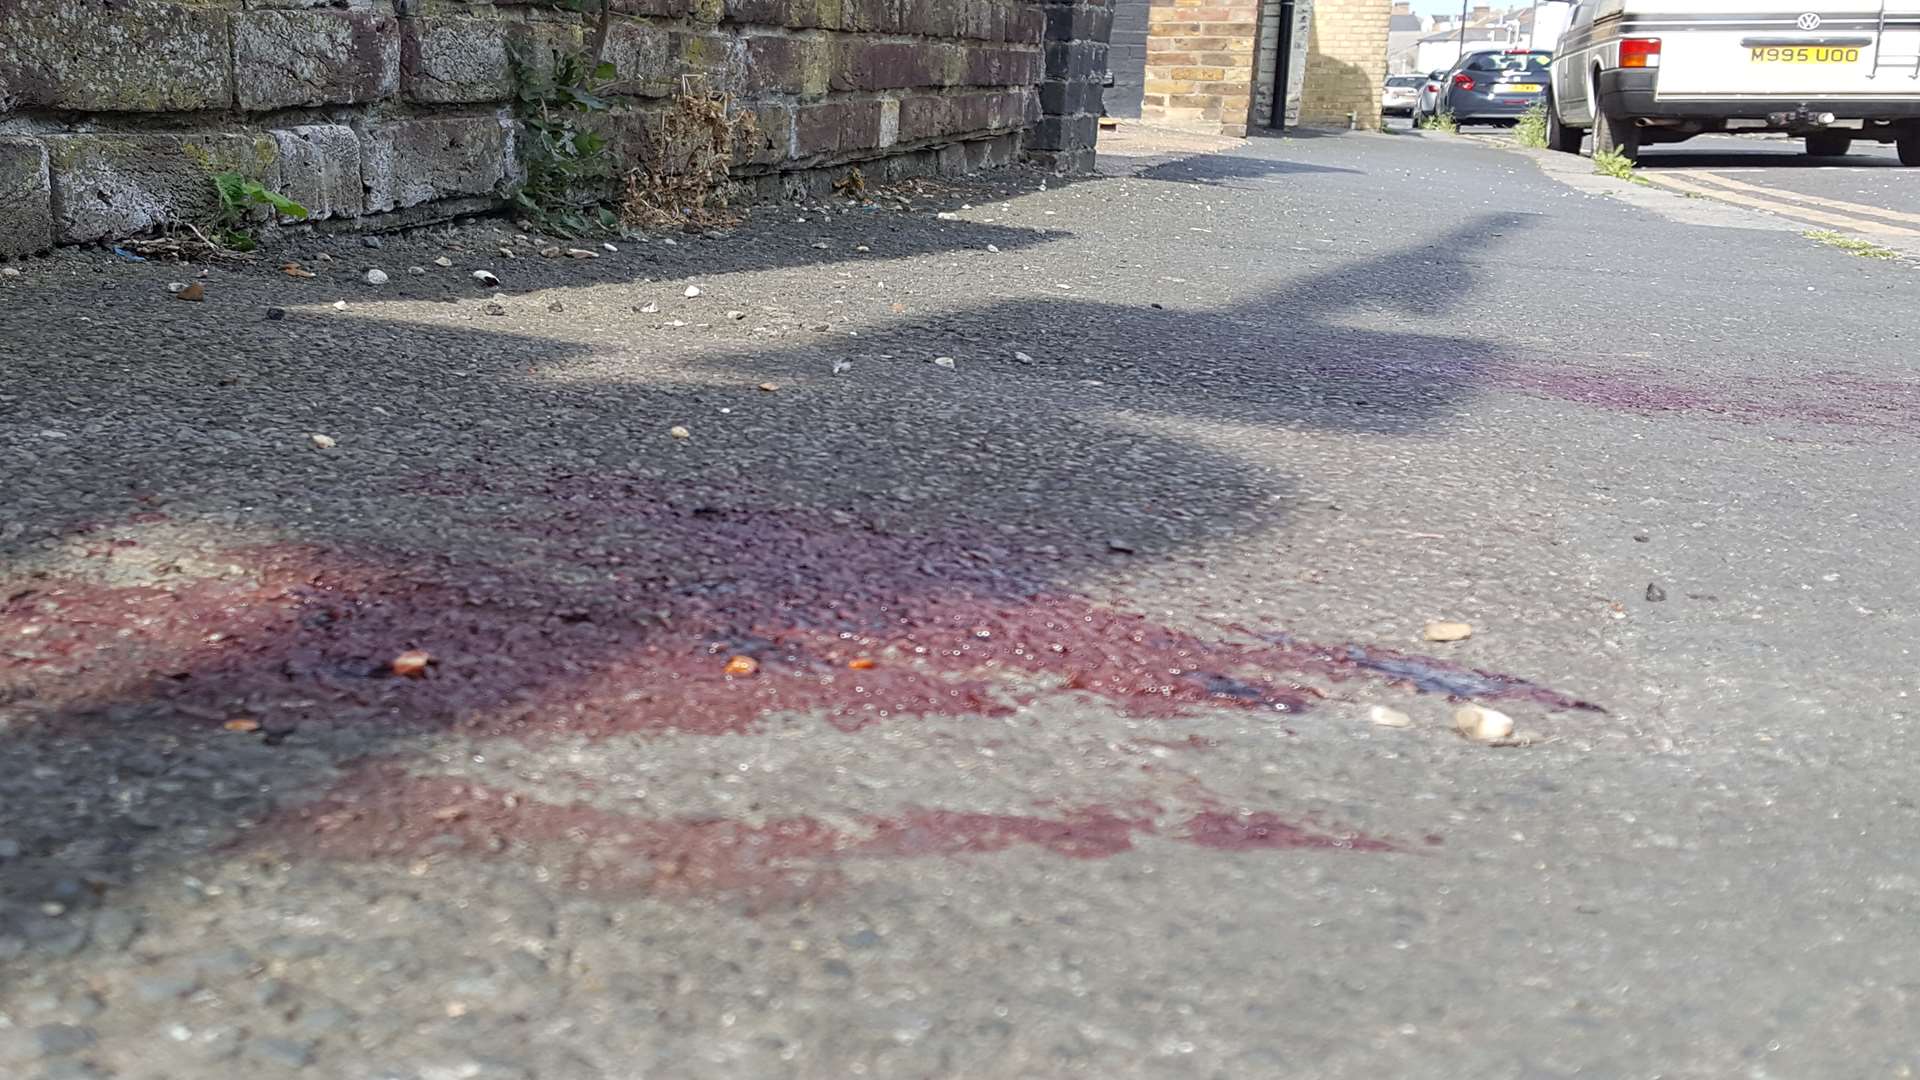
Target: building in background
{"x":1404,"y":30}
{"x":1530,"y":26}
{"x":1213,"y":65}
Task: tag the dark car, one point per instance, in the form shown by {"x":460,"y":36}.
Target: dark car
{"x":1494,"y":87}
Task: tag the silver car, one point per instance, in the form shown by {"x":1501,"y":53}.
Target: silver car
{"x":1426,"y":100}
{"x":1400,"y":95}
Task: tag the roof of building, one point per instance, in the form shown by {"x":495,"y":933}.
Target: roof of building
{"x":1404,"y":22}
{"x":1491,"y":29}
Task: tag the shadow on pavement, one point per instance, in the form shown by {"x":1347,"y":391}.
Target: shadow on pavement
{"x":203,"y":610}
{"x":1221,"y":169}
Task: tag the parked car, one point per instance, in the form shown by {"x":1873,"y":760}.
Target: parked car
{"x":1494,"y":86}
{"x":1428,"y":97}
{"x":1397,"y":98}
{"x":1660,"y":71}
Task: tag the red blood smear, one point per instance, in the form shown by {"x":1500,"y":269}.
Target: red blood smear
{"x":1227,"y":831}
{"x":1191,"y":742}
{"x":1086,"y":834}
{"x":625,"y":622}
{"x":383,"y":813}
{"x":1833,"y":398}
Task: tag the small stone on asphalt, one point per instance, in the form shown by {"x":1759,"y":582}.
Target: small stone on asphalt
{"x":1387,"y":717}
{"x":1481,"y":724}
{"x":1448,"y":631}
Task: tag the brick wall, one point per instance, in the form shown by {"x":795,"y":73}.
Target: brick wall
{"x":1346,"y":63}
{"x":114,"y":113}
{"x":1076,"y":35}
{"x":1127,"y":57}
{"x":1200,"y":64}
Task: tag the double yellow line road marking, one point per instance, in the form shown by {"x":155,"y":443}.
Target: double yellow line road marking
{"x":1813,"y":209}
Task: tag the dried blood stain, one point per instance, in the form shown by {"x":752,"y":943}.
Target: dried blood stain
{"x":384,"y":813}
{"x":594,"y":606}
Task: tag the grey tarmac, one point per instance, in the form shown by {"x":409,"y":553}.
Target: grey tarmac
{"x":1007,"y":719}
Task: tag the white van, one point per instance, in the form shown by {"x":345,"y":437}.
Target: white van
{"x":1639,"y":72}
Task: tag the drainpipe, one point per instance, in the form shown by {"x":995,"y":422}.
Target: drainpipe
{"x":1282,"y":68}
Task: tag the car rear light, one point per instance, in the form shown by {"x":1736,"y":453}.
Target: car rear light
{"x":1640,"y":52}
{"x":1463,"y":80}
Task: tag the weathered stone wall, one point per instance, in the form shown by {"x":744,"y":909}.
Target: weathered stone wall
{"x":114,"y":114}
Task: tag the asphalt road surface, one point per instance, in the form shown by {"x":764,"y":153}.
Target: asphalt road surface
{"x":946,"y":639}
{"x":1866,"y":193}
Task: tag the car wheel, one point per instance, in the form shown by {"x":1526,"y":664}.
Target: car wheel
{"x":1559,"y":136}
{"x":1615,"y":133}
{"x":1909,"y":146}
{"x":1829,"y":144}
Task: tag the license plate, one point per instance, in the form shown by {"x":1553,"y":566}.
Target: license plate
{"x":1803,"y":54}
{"x":1522,"y":87}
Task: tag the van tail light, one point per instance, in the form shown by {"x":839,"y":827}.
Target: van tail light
{"x":1463,"y":80}
{"x":1640,"y":52}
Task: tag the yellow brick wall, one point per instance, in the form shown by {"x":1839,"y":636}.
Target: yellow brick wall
{"x":1200,"y":64}
{"x":1346,"y":62}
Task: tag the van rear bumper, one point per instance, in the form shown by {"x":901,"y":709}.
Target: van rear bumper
{"x":1631,"y":93}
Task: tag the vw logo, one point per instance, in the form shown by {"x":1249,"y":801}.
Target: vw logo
{"x":1809,"y":21}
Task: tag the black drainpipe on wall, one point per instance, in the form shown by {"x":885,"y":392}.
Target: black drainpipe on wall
{"x":1282,"y":61}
